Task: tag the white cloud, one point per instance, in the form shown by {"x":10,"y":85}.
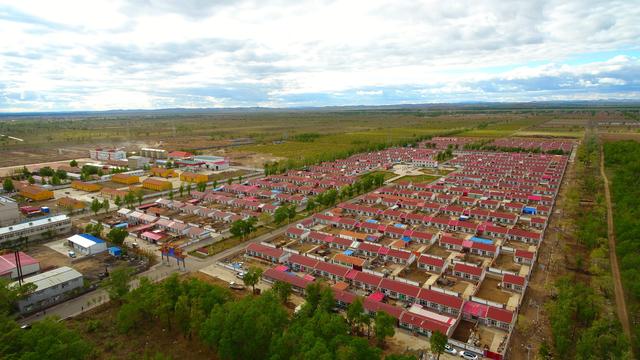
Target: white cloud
{"x":69,"y":54}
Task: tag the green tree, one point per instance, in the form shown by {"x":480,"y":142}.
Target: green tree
{"x":7,"y":185}
{"x":182,"y":312}
{"x":55,"y":180}
{"x":355,"y":313}
{"x":252,"y":277}
{"x":31,"y":180}
{"x":118,"y":283}
{"x":48,"y":339}
{"x":117,"y":236}
{"x":280,"y":215}
{"x":202,"y":186}
{"x":96,"y":205}
{"x":283,"y":290}
{"x":94,"y":229}
{"x":139,"y":197}
{"x":171,"y":194}
{"x":73,"y":163}
{"x":118,"y":201}
{"x":181,"y":189}
{"x":438,"y":341}
{"x":105,"y":205}
{"x":384,"y":327}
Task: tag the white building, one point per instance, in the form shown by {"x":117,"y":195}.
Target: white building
{"x":153,"y":153}
{"x":425,"y":162}
{"x":212,"y":162}
{"x":51,"y":287}
{"x":107,"y":154}
{"x":9,"y":269}
{"x":137,"y":162}
{"x":36,"y":229}
{"x":9,"y":213}
{"x":86,"y":244}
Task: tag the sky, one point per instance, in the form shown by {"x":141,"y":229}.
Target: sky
{"x":147,"y":54}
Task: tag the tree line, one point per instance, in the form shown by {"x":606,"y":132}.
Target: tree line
{"x":580,"y":313}
{"x":623,"y":158}
{"x":255,"y":326}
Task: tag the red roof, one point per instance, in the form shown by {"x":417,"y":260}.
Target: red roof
{"x":501,"y":315}
{"x":287,"y":277}
{"x":483,"y":246}
{"x":513,"y":279}
{"x":468,"y":269}
{"x":332,"y":268}
{"x":524,"y":254}
{"x":265,"y":250}
{"x":295,"y":231}
{"x":179,"y":154}
{"x":399,"y":287}
{"x":440,"y":298}
{"x":367,"y":278}
{"x":375,"y":306}
{"x":429,"y":260}
{"x":8,"y":262}
{"x":302,"y":260}
{"x":423,"y":322}
{"x":446,"y":239}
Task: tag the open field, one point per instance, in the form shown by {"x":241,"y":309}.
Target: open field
{"x":248,"y":135}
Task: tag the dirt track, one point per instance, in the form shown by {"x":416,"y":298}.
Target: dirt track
{"x":621,"y":306}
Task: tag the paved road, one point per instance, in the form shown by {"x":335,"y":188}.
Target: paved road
{"x":621,"y":306}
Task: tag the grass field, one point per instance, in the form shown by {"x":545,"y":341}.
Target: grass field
{"x":418,"y":178}
{"x":386,"y":174}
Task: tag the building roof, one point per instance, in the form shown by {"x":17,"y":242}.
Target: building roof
{"x":440,"y":298}
{"x":8,"y":262}
{"x":513,"y":279}
{"x":400,"y":287}
{"x":33,"y":223}
{"x":501,"y":315}
{"x":287,"y":277}
{"x":431,"y":260}
{"x":423,"y":322}
{"x":473,"y":270}
{"x":266,"y":250}
{"x":85,"y":240}
{"x":52,"y":278}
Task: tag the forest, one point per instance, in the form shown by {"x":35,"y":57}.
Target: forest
{"x":581,"y":312}
{"x":622,"y":159}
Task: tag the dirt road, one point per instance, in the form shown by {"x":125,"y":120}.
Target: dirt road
{"x":621,"y":306}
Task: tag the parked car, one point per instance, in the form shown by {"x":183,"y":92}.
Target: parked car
{"x":468,"y":355}
{"x":71,"y":253}
{"x":235,"y":286}
{"x":25,"y":327}
{"x":450,"y":350}
{"x":240,"y":275}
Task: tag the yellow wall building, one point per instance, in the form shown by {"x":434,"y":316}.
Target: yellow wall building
{"x":156,"y":184}
{"x":194,"y":177}
{"x":36,"y":193}
{"x":85,"y":186}
{"x":162,"y":172}
{"x":125,"y":179}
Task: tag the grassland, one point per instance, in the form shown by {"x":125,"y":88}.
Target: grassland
{"x":49,"y":137}
{"x":418,"y":178}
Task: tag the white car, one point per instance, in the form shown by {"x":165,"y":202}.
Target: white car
{"x":468,"y":355}
{"x":450,"y":350}
{"x":71,"y":253}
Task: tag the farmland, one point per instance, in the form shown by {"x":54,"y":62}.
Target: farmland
{"x":49,"y":137}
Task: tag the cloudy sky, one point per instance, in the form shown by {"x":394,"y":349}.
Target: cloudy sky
{"x":140,"y":54}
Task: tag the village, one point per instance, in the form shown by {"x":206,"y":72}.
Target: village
{"x":451,"y":255}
